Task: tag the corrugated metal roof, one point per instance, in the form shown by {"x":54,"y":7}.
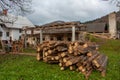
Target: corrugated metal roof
{"x":96,"y":27}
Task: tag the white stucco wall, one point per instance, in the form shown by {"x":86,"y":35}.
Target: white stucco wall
{"x":3,"y":34}
{"x":28,"y":32}
{"x":4,"y":30}
{"x":15,"y":34}
{"x":36,"y":31}
{"x":19,"y":23}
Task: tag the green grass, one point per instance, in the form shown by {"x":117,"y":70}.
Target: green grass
{"x":18,"y":67}
{"x":29,"y":50}
{"x":112,"y":49}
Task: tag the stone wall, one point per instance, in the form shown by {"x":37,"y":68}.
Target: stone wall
{"x":112,"y":25}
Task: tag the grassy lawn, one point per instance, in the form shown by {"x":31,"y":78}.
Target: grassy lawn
{"x":29,"y":50}
{"x":18,"y":67}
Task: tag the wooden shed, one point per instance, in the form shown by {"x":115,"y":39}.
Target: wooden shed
{"x":58,"y":31}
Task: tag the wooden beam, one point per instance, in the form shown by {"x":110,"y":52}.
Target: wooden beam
{"x":41,"y":36}
{"x":25,"y":39}
{"x":73,"y":33}
{"x":3,"y":47}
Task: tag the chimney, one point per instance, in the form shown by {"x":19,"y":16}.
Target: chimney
{"x":112,"y":25}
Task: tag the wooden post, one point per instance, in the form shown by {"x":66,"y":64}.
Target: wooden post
{"x":25,"y":39}
{"x":41,"y":36}
{"x":54,"y":38}
{"x":81,"y":36}
{"x":2,"y":45}
{"x":65,"y":37}
{"x":73,"y":33}
{"x":47,"y":38}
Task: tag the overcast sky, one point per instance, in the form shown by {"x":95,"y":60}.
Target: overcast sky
{"x":46,"y":11}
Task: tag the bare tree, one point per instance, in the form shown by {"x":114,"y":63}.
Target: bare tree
{"x":114,"y":1}
{"x":15,"y":6}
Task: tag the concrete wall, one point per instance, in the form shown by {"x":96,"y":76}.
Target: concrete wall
{"x":112,"y":25}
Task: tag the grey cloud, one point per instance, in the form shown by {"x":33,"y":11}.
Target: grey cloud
{"x":68,"y":10}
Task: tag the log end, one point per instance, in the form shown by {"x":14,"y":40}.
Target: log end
{"x":38,"y":57}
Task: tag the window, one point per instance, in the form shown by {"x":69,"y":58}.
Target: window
{"x":43,"y":39}
{"x":0,"y":34}
{"x":106,"y":28}
{"x":19,"y":37}
{"x":51,"y":38}
{"x":7,"y":34}
{"x":69,"y":39}
{"x":32,"y":31}
{"x":33,"y":39}
{"x":26,"y":38}
{"x":2,"y":25}
{"x":20,"y":30}
{"x":59,"y":38}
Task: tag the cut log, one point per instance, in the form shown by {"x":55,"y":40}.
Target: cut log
{"x":87,"y":74}
{"x":72,"y":61}
{"x":91,"y":53}
{"x":90,"y":59}
{"x":81,"y":50}
{"x":63,"y":54}
{"x":57,"y":57}
{"x":80,"y":56}
{"x":38,"y":49}
{"x":65,"y":59}
{"x":46,"y":53}
{"x":70,"y":49}
{"x":61,"y":60}
{"x":60,"y":64}
{"x":73,"y":67}
{"x":53,"y":62}
{"x":61,"y":49}
{"x":83,"y":59}
{"x":38,"y":57}
{"x":62,"y":68}
{"x":99,"y":60}
{"x":103,"y":67}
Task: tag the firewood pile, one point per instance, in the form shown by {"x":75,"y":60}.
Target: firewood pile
{"x":17,"y":46}
{"x":78,"y":56}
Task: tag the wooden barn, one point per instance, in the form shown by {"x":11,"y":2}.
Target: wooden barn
{"x":109,"y":25}
{"x":56,"y":31}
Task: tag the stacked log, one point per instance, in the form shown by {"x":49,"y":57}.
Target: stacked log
{"x":50,"y":51}
{"x":17,"y":46}
{"x":40,"y":50}
{"x":100,"y":64}
{"x":78,"y":56}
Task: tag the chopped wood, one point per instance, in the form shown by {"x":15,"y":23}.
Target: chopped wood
{"x":63,"y":54}
{"x":62,"y":68}
{"x":78,"y":56}
{"x":38,"y":57}
{"x":65,"y":59}
{"x":73,"y":67}
{"x":73,"y":60}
